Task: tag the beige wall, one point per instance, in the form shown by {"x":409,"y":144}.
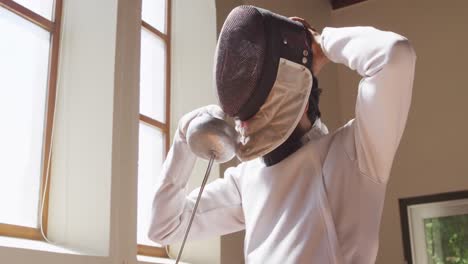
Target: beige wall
{"x":432,"y":156}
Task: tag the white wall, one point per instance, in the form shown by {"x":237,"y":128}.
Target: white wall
{"x":432,"y":154}
{"x":194,"y":42}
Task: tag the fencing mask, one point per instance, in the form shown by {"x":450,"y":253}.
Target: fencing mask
{"x":263,"y":78}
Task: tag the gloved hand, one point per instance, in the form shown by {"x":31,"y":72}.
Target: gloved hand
{"x":210,"y":110}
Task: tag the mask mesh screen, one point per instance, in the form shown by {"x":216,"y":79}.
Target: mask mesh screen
{"x":239,"y":58}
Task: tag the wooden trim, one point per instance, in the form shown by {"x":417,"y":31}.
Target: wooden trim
{"x":336,"y":4}
{"x":404,"y":203}
{"x":142,"y":249}
{"x":28,"y":14}
{"x":20,"y":232}
{"x":150,"y":121}
{"x":159,"y":252}
{"x":52,"y":92}
{"x":168,"y":72}
{"x":154,"y":30}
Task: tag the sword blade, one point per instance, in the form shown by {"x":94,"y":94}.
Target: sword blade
{"x":205,"y":179}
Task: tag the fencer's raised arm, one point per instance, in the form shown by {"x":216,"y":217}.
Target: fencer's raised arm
{"x":219,"y":210}
{"x":386,"y":61}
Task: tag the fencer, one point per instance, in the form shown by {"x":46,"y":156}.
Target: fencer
{"x":303,"y":195}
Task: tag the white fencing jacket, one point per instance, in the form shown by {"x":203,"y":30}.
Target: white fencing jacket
{"x":323,"y":203}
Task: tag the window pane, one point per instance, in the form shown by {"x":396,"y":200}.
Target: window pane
{"x":152,"y":76}
{"x":42,"y":7}
{"x":447,"y":239}
{"x":24,"y":51}
{"x":151,"y":149}
{"x":154,"y":13}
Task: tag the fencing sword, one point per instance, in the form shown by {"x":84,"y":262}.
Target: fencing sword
{"x":212,"y":139}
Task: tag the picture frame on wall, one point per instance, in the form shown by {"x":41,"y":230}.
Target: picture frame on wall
{"x":435,"y":228}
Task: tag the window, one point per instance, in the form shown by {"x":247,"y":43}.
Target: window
{"x":435,"y":228}
{"x":28,"y":67}
{"x":154,"y":112}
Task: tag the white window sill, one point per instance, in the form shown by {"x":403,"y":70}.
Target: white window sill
{"x":44,"y":247}
{"x":16,"y":250}
{"x":154,"y":260}
{"x":11,"y":242}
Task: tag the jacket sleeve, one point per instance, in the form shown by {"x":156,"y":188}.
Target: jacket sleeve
{"x":219,"y":211}
{"x":386,"y":61}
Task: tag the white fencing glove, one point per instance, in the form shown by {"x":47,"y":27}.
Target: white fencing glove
{"x":210,"y":110}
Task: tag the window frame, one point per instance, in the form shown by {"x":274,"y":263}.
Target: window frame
{"x":53,"y":27}
{"x":429,"y":205}
{"x":163,"y":127}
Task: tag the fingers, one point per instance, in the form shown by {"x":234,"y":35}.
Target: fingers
{"x":304,"y":22}
{"x":211,"y":110}
{"x":215,"y":111}
{"x":185,"y":121}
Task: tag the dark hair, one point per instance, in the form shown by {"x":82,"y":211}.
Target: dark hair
{"x":314,"y":112}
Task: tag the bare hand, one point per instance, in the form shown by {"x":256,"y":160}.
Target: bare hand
{"x":320,"y":59}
